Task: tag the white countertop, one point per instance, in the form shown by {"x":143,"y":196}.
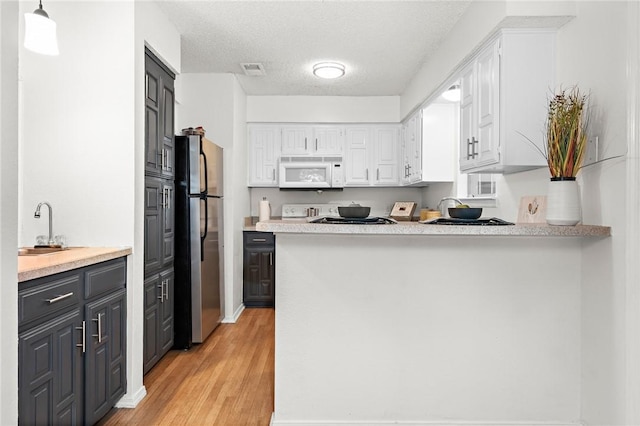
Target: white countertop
{"x":416,"y":228}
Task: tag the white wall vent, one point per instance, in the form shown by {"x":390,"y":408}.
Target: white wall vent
{"x":253,"y":69}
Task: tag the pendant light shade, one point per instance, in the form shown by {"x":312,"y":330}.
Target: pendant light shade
{"x":40,"y":33}
{"x":453,"y":93}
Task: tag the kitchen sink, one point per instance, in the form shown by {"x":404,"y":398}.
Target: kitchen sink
{"x":35,"y":251}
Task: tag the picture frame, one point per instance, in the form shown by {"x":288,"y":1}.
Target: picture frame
{"x":403,"y":210}
{"x":533,"y":209}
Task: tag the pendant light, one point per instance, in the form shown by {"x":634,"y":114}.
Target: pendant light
{"x":40,"y":32}
{"x":453,"y":93}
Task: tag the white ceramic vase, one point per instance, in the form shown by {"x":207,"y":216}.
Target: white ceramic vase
{"x":563,"y":202}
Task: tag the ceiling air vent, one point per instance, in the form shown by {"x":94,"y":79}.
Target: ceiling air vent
{"x":253,"y":69}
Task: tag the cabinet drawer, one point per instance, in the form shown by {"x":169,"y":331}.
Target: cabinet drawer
{"x":252,"y":238}
{"x":49,"y":297}
{"x":105,"y":277}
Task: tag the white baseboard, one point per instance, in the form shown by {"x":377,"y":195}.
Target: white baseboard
{"x":275,"y":422}
{"x":132,"y":400}
{"x":234,"y":318}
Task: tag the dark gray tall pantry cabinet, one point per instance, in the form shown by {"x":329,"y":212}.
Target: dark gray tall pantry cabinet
{"x":159,"y":211}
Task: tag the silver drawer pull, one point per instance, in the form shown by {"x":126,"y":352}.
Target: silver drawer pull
{"x":99,"y":321}
{"x":58,"y":298}
{"x":82,"y":345}
{"x":259,"y":240}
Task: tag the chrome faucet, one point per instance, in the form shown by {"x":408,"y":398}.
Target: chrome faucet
{"x":441,"y":207}
{"x":37,"y":216}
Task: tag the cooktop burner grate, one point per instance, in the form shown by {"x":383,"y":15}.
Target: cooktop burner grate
{"x":353,"y":220}
{"x":494,"y":221}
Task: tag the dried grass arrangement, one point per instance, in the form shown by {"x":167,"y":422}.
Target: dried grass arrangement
{"x":567,"y":124}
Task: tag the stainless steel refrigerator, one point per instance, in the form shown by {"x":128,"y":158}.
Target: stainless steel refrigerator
{"x":198,"y":239}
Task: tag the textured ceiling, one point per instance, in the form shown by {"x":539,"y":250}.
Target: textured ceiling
{"x":381,"y":43}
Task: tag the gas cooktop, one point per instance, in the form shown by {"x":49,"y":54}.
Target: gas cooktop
{"x":492,"y":221}
{"x":353,"y":220}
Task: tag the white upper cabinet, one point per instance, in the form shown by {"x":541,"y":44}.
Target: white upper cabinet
{"x":386,"y":148}
{"x":371,"y":155}
{"x":504,"y":93}
{"x":312,"y":140}
{"x":357,"y":156}
{"x":264,"y":152}
{"x":411,"y":149}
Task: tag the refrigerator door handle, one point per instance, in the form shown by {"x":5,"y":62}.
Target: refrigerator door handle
{"x":206,"y":176}
{"x":203,"y":198}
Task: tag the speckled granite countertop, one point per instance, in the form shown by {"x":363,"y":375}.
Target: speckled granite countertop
{"x":416,"y":228}
{"x":31,"y":267}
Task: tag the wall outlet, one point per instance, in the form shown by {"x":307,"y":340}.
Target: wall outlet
{"x":591,"y":156}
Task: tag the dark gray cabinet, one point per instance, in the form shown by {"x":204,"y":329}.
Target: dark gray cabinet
{"x":259,"y":269}
{"x":158,"y":317}
{"x":159,"y":110}
{"x":71,"y":343}
{"x":159,"y":225}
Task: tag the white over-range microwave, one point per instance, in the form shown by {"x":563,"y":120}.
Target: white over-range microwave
{"x":311,"y":172}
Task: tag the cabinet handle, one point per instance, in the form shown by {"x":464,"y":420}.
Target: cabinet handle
{"x":82,"y":345}
{"x":274,"y":174}
{"x":161,"y":297}
{"x":378,"y":174}
{"x":58,"y":298}
{"x":259,"y":240}
{"x":474,"y":144}
{"x":167,"y":202}
{"x":99,"y":321}
{"x":468,"y":152}
{"x":166,"y":292}
{"x":270,"y":258}
{"x":305,"y":143}
{"x":367,"y":174}
{"x":316,"y":144}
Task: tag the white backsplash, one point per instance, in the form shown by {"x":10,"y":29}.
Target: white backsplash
{"x":380,"y":200}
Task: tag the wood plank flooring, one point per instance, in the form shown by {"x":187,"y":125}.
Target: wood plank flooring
{"x":226,"y":381}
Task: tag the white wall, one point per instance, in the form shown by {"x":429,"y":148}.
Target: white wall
{"x":153,"y":30}
{"x":395,"y":331}
{"x":596,"y":61}
{"x":217,"y":103}
{"x":8,"y":211}
{"x":77,"y":119}
{"x":323,"y":109}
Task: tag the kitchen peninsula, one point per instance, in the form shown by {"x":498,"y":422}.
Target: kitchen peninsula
{"x":428,"y":324}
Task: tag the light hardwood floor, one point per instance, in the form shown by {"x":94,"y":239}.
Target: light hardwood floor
{"x":226,"y":381}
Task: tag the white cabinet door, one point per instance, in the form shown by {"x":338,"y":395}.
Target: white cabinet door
{"x":327,"y":140}
{"x":296,"y":140}
{"x":467,"y":118}
{"x":357,"y":156}
{"x":488,"y":71}
{"x":264,"y":141}
{"x":385,"y":155}
{"x":411,"y":150}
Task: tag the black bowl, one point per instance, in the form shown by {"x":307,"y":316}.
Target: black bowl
{"x":465,"y":212}
{"x":354,"y":211}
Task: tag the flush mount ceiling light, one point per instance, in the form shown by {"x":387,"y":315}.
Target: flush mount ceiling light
{"x":453,"y":93}
{"x":328,"y":70}
{"x":40,"y":32}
